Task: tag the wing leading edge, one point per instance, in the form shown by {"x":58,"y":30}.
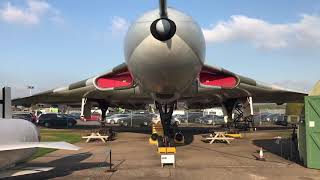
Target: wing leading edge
{"x":116,"y":82}
{"x":234,"y":86}
{"x":215,"y":85}
{"x":27,"y":145}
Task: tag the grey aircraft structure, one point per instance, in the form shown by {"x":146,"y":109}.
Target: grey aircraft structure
{"x":19,"y":141}
{"x":164,"y":53}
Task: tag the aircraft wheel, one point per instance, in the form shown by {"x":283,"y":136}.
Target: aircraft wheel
{"x":154,"y":136}
{"x":179,"y":137}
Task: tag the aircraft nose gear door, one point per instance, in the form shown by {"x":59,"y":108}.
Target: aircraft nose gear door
{"x":165,"y":111}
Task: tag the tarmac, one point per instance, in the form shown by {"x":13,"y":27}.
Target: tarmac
{"x":134,"y":158}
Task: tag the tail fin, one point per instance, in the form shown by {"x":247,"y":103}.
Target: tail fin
{"x":27,"y":145}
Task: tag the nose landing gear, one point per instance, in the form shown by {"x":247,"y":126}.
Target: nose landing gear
{"x":165,"y":111}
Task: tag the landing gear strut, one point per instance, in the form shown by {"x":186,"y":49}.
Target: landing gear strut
{"x":242,"y":112}
{"x":104,"y":108}
{"x":240,"y":121}
{"x":165,"y":111}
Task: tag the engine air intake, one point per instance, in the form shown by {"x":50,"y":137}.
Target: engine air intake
{"x":218,"y":78}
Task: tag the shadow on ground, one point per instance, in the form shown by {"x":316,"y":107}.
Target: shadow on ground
{"x":285,"y":148}
{"x":61,"y":168}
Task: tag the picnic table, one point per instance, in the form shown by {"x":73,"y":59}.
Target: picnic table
{"x":96,"y":136}
{"x":219,"y":136}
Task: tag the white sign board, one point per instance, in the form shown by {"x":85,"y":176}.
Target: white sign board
{"x":167,"y":159}
{"x":311,"y":124}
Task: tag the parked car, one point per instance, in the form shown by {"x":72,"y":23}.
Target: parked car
{"x":193,"y":116}
{"x":156,"y":118}
{"x":264,"y":116}
{"x":95,"y":116}
{"x":76,"y":115}
{"x":212,"y":119}
{"x":68,"y":115}
{"x":137,"y":120}
{"x":25,"y":115}
{"x":270,"y":118}
{"x":114,"y":119}
{"x":282,"y":120}
{"x":180,"y":118}
{"x":277,"y":117}
{"x":200,"y":119}
{"x":53,"y":119}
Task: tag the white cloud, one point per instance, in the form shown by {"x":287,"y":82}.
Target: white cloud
{"x":29,"y":15}
{"x":119,"y":25}
{"x":38,"y":6}
{"x":263,"y":34}
{"x":13,"y":14}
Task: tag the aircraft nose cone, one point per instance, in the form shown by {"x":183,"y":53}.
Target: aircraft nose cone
{"x":163,"y":29}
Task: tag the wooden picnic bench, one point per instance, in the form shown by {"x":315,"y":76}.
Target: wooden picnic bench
{"x":96,"y":136}
{"x":219,"y":136}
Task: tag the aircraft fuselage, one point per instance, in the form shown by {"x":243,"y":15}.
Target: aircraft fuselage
{"x":164,"y":54}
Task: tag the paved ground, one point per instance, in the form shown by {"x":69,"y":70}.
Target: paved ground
{"x":134,"y":158}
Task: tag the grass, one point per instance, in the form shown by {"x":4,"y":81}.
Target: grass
{"x":50,"y":135}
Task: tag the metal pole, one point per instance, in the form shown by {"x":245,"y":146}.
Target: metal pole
{"x":131,"y":119}
{"x":260,"y":122}
{"x":30,"y":89}
{"x":110,"y":165}
{"x":281,"y":148}
{"x":214,"y":118}
{"x":291,"y":152}
{"x":3,"y":103}
{"x":187,"y":117}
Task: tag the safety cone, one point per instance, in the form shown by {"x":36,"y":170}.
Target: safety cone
{"x":261,"y":157}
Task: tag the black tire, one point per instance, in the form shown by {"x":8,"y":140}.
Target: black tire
{"x":154,"y":136}
{"x":47,"y":125}
{"x":179,"y":137}
{"x":112,"y":122}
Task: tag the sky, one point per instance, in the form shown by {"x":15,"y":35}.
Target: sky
{"x":52,"y":43}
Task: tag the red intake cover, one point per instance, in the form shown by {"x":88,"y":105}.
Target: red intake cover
{"x":120,"y":80}
{"x":217,"y":78}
